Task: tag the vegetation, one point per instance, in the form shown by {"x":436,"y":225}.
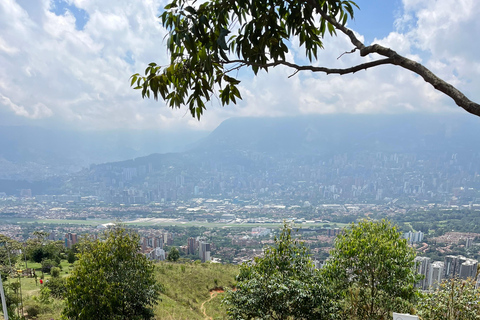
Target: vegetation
{"x":205,"y":58}
{"x":455,"y":300}
{"x":372,"y":269}
{"x":112,"y":280}
{"x":173,"y":254}
{"x":193,"y":290}
{"x":283,"y":284}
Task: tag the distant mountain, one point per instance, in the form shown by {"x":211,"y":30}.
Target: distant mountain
{"x":238,"y":152}
{"x":34,"y":153}
{"x":321,"y":134}
{"x":318,"y":158}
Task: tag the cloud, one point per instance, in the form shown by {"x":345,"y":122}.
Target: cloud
{"x":76,"y":73}
{"x":37,"y":111}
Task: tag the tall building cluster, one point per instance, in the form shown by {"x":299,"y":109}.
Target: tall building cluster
{"x":204,"y":248}
{"x":70,"y":239}
{"x":153,"y":246}
{"x":413,"y":237}
{"x":437,"y":271}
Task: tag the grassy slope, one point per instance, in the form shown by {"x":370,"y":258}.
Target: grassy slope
{"x":187,"y":287}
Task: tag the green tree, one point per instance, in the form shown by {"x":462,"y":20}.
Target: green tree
{"x":283,"y":284}
{"x":48,"y":264}
{"x":455,"y":299}
{"x":112,"y":280}
{"x":71,"y":256}
{"x":371,"y":267}
{"x":39,"y":249}
{"x":204,"y":58}
{"x":173,"y":254}
{"x":8,"y":253}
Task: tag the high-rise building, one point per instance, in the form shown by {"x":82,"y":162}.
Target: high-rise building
{"x":468,"y":243}
{"x":144,"y":244}
{"x":70,"y":239}
{"x":159,"y":254}
{"x":191,"y":246}
{"x":459,"y":266}
{"x":436,"y":274}
{"x":468,"y":269}
{"x":158,"y":242}
{"x":204,"y":251}
{"x":422,"y":266}
{"x":413,"y":237}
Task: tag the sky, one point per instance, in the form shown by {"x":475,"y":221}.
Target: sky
{"x":67,"y":63}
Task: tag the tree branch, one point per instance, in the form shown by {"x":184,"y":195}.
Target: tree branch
{"x":460,"y":99}
{"x":363,"y":66}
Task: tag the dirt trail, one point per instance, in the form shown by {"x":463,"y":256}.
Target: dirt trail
{"x":213,"y":294}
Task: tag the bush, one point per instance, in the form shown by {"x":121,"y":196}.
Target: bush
{"x":33,"y":310}
{"x":55,"y":272}
{"x":57,"y":287}
{"x":71,"y":257}
{"x":48,"y":264}
{"x":455,"y":299}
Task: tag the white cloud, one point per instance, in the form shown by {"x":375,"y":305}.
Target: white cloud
{"x":80,"y":77}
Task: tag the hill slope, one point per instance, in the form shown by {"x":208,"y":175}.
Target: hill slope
{"x":187,"y":290}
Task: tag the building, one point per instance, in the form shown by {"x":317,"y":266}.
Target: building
{"x":158,"y":242}
{"x":158,"y":254}
{"x":436,"y":275}
{"x":468,"y":243}
{"x":260,"y":232}
{"x":191,"y":246}
{"x":70,"y":239}
{"x":468,"y":269}
{"x":422,"y":266}
{"x":459,"y":266}
{"x":413,"y":237}
{"x":204,"y":251}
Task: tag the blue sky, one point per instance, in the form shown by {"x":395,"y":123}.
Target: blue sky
{"x":376,"y":18}
{"x":61,"y":7}
{"x":67,"y":63}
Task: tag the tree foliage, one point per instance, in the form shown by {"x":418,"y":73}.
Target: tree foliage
{"x":372,"y":269}
{"x":112,"y":280}
{"x":209,"y":42}
{"x":173,"y":254}
{"x":455,"y":299}
{"x":283,"y":284}
{"x":8,"y":253}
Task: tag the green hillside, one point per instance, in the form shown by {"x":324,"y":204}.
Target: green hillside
{"x":189,"y":290}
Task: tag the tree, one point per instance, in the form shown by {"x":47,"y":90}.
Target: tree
{"x":8,"y":253}
{"x":372,"y":269}
{"x":112,"y":280}
{"x":456,"y":299}
{"x":40,"y":248}
{"x":173,"y":254}
{"x":283,"y":284}
{"x":48,"y":264}
{"x":204,"y":60}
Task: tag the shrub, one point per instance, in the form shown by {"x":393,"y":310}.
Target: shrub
{"x":33,"y":310}
{"x":57,"y":287}
{"x":55,"y":272}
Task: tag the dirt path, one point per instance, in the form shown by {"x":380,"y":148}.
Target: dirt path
{"x":213,"y":294}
